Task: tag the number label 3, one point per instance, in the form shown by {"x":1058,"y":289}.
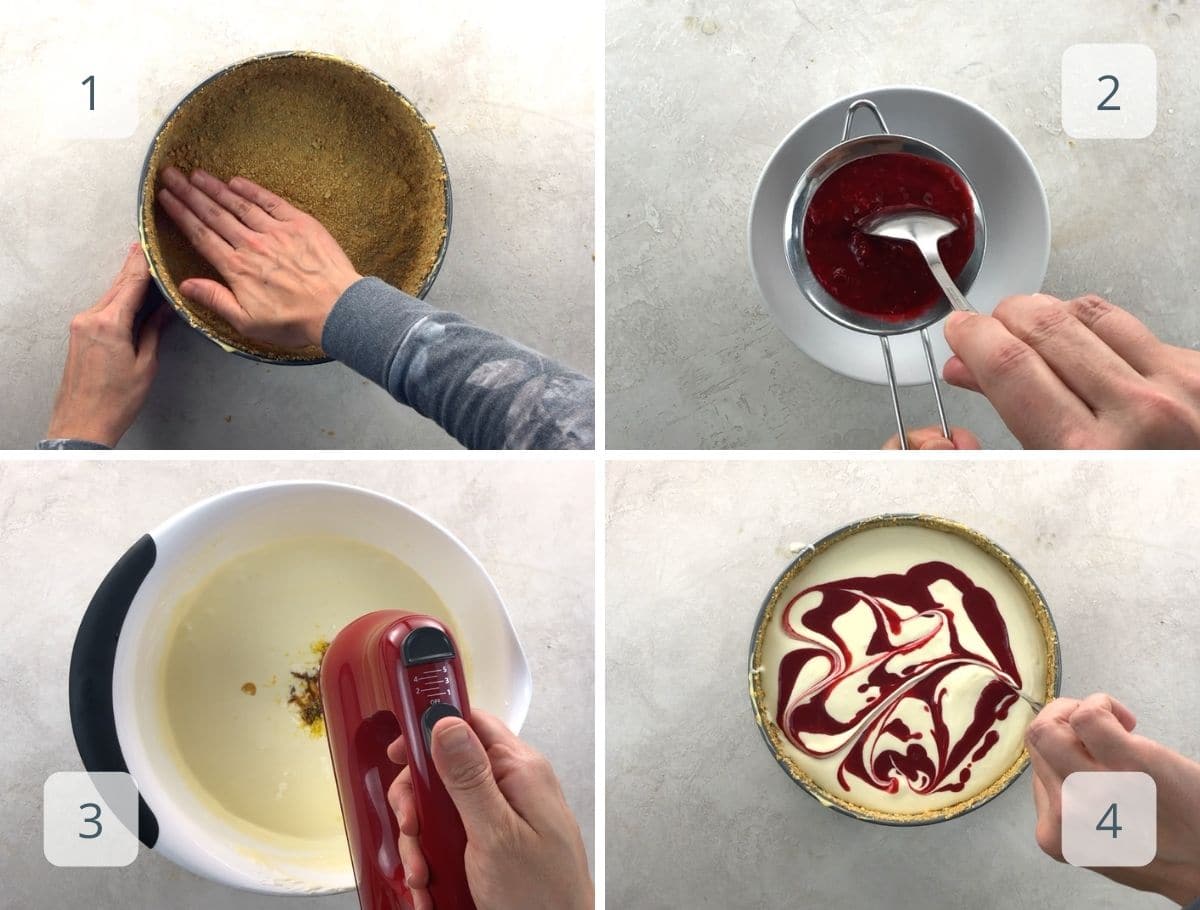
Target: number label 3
{"x":94,"y":820}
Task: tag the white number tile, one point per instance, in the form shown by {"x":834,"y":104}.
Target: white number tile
{"x":81,"y":819}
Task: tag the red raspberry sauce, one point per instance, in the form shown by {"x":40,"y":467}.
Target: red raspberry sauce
{"x":885,"y":278}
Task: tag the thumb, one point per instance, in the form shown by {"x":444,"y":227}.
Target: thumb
{"x":463,"y":765}
{"x":214,"y":296}
{"x":938,"y":443}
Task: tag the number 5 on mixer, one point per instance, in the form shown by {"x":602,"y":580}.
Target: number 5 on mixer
{"x":1109,"y":818}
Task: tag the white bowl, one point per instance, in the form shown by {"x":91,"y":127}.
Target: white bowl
{"x":1004,"y":178}
{"x":178,"y":555}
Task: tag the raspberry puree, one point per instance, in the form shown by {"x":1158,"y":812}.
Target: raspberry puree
{"x":885,"y":278}
{"x":878,"y":660}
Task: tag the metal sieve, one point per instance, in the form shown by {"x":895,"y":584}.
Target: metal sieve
{"x":847,"y":150}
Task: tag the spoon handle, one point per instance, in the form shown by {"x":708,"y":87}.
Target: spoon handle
{"x":1032,"y":702}
{"x":949,"y":288}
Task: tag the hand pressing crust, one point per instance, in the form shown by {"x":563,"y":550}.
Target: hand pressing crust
{"x":284,"y":271}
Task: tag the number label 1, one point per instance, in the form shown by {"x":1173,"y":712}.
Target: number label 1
{"x":1104,"y":105}
{"x":90,"y":82}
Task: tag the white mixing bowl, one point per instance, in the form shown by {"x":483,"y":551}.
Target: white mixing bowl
{"x":115,"y":687}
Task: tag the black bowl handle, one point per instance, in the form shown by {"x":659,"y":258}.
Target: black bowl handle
{"x":91,"y":677}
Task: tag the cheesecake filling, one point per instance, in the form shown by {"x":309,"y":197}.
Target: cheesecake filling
{"x":904,"y":681}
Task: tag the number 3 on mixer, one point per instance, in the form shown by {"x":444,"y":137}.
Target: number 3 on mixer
{"x":1109,"y":818}
{"x":1109,"y":91}
{"x":82,"y":819}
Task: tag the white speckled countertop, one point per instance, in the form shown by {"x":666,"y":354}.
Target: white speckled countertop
{"x":700,"y":815}
{"x":700,"y":94}
{"x":62,"y":526}
{"x":510,"y":90}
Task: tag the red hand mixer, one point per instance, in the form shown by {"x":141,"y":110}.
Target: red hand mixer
{"x":389,"y":673}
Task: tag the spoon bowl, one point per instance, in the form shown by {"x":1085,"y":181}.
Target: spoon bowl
{"x":925,"y":229}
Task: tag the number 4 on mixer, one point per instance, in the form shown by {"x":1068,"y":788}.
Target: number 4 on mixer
{"x":1109,"y":818}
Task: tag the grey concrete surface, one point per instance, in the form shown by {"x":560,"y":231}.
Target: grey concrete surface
{"x":63,"y":524}
{"x":699,"y":94}
{"x":698,"y":813}
{"x":509,"y":88}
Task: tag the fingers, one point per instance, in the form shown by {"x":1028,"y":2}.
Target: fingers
{"x":214,"y":296}
{"x":397,"y":751}
{"x":463,"y":765}
{"x":403,"y":803}
{"x":1051,"y":737}
{"x":273,"y":205}
{"x":1123,"y":332}
{"x":400,"y":797}
{"x":206,"y":208}
{"x":1031,"y":399}
{"x":956,"y":373}
{"x":1077,"y":355}
{"x":492,"y":731}
{"x":206,"y":242}
{"x":128,"y":289}
{"x":247,"y":212}
{"x":151,"y":335}
{"x":931,"y":439}
{"x":1104,"y":726}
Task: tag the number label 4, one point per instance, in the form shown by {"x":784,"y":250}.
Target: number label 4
{"x":1114,"y":827}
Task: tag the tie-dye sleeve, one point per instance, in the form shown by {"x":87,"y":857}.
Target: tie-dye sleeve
{"x":486,"y":391}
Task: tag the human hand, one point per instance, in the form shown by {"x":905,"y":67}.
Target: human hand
{"x":1079,"y":374}
{"x":109,"y":371}
{"x":524,"y":849}
{"x":1096,"y":734}
{"x":284,"y":270}
{"x":931,"y":439}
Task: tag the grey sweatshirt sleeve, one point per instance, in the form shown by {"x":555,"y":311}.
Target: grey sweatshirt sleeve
{"x":48,"y":444}
{"x":486,"y":391}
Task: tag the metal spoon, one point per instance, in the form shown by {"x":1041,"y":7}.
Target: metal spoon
{"x":924,"y":229}
{"x":1032,"y":702}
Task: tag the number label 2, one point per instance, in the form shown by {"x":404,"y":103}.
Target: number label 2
{"x":1104,"y":105}
{"x":90,"y":82}
{"x":1114,"y":827}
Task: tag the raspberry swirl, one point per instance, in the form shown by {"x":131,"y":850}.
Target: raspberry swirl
{"x":903,"y":678}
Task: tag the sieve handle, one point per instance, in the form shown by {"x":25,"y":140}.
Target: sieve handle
{"x":927,"y":345}
{"x":856,"y":105}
